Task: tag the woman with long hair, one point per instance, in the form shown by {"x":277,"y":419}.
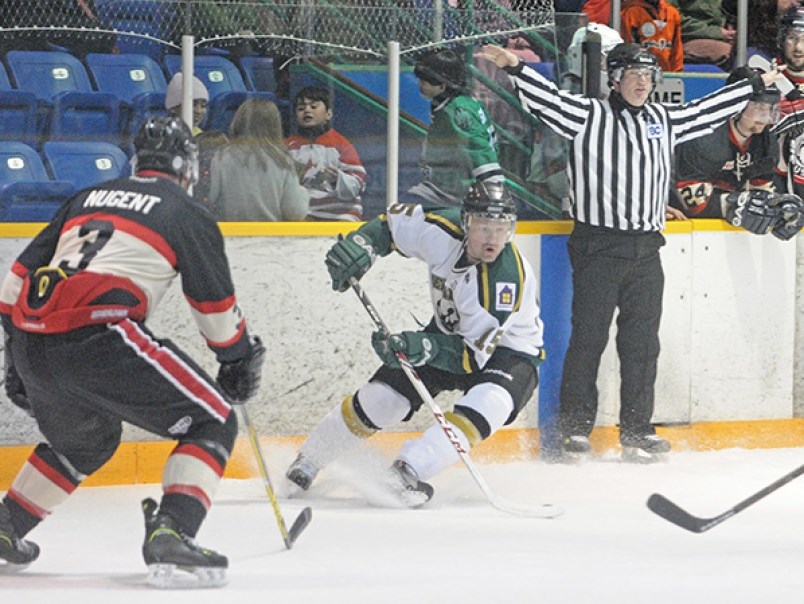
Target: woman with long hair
{"x":253,"y":178}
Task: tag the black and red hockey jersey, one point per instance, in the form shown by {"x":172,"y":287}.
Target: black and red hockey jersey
{"x":712,"y":165}
{"x":113,"y":252}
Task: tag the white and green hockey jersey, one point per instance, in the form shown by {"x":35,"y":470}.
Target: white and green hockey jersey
{"x":487,"y":306}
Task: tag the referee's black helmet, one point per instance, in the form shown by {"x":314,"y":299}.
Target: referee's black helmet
{"x":626,"y":56}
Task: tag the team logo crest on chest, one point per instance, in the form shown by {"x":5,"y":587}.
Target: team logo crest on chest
{"x":505,"y":296}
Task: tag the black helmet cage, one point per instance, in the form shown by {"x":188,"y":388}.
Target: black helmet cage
{"x":624,"y":56}
{"x":793,"y":19}
{"x":490,"y":200}
{"x":166,"y":144}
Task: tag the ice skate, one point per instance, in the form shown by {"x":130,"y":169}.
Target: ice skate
{"x":301,"y":472}
{"x":175,"y":560}
{"x":651,"y":448}
{"x":405,"y":483}
{"x":15,"y":554}
{"x":576,"y":449}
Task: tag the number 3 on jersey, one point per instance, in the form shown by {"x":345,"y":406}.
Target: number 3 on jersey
{"x":95,"y":235}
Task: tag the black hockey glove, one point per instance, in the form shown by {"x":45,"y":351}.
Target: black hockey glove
{"x":755,"y":211}
{"x":240,"y":380}
{"x":350,"y":257}
{"x":791,"y":218}
{"x":15,"y":389}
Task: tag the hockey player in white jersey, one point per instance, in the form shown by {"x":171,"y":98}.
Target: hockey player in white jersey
{"x":485,"y":337}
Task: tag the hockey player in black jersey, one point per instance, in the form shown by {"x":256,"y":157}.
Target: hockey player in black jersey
{"x":80,"y":359}
{"x":730,"y":173}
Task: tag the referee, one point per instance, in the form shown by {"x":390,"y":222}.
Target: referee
{"x":619,"y":169}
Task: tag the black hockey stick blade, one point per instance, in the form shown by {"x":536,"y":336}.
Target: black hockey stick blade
{"x":662,"y":506}
{"x":304,"y":518}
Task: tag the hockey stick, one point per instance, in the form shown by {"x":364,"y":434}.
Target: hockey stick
{"x":546,"y":510}
{"x":306,"y":515}
{"x":661,"y":505}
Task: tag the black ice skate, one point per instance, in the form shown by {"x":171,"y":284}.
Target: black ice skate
{"x":576,"y":449}
{"x":15,"y":554}
{"x":175,"y":560}
{"x":650,"y":448}
{"x":411,"y":491}
{"x":301,"y":472}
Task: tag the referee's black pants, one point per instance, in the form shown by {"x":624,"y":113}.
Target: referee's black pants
{"x":612,"y":270}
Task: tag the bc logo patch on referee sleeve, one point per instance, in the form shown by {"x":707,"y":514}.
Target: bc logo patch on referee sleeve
{"x":654,"y":131}
{"x":506,"y":295}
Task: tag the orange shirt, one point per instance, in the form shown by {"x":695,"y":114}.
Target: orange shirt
{"x":657,"y":28}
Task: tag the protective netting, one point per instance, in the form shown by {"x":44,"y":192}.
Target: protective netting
{"x":294,"y":29}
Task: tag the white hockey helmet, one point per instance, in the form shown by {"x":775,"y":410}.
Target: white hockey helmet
{"x":609,"y":38}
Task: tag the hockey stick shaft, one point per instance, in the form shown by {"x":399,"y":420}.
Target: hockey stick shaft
{"x":660,"y":505}
{"x":301,"y":522}
{"x":546,"y":511}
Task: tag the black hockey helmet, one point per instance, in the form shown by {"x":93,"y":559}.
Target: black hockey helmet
{"x":165,"y":144}
{"x":442,"y":67}
{"x":770,"y":94}
{"x":625,"y":56}
{"x":490,"y":200}
{"x":791,"y":20}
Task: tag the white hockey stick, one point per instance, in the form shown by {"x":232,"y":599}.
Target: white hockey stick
{"x":304,"y":517}
{"x":546,"y":510}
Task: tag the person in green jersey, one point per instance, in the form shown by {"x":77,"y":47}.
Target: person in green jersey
{"x":460,"y":147}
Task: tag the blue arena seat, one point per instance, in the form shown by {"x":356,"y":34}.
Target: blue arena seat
{"x":19,"y":117}
{"x":223,"y":107}
{"x":258,"y":73}
{"x":126,"y":75}
{"x":218,"y":74}
{"x":144,"y":106}
{"x":85,"y":116}
{"x":84,"y":164}
{"x":47,"y":73}
{"x":147,"y":20}
{"x":27,"y":194}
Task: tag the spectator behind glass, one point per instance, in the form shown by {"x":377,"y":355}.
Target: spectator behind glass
{"x":460,"y":145}
{"x":77,"y":15}
{"x":253,"y":177}
{"x":329,"y":166}
{"x":706,"y":35}
{"x":209,"y":143}
{"x":762,"y":24}
{"x":656,"y":26}
{"x":200,"y":100}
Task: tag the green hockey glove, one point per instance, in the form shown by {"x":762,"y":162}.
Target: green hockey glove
{"x":349,"y":257}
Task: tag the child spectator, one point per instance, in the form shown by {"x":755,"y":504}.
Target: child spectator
{"x":329,"y":166}
{"x":253,"y":177}
{"x":200,"y":100}
{"x":656,"y":26}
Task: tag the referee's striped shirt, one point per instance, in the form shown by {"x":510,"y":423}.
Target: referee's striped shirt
{"x":620,"y":162}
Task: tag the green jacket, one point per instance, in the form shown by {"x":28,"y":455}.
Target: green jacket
{"x":700,"y":19}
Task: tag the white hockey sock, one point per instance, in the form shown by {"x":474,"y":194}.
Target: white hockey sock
{"x":433,"y":451}
{"x":332,"y":438}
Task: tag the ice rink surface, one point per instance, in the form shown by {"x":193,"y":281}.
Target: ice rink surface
{"x":607,"y":547}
